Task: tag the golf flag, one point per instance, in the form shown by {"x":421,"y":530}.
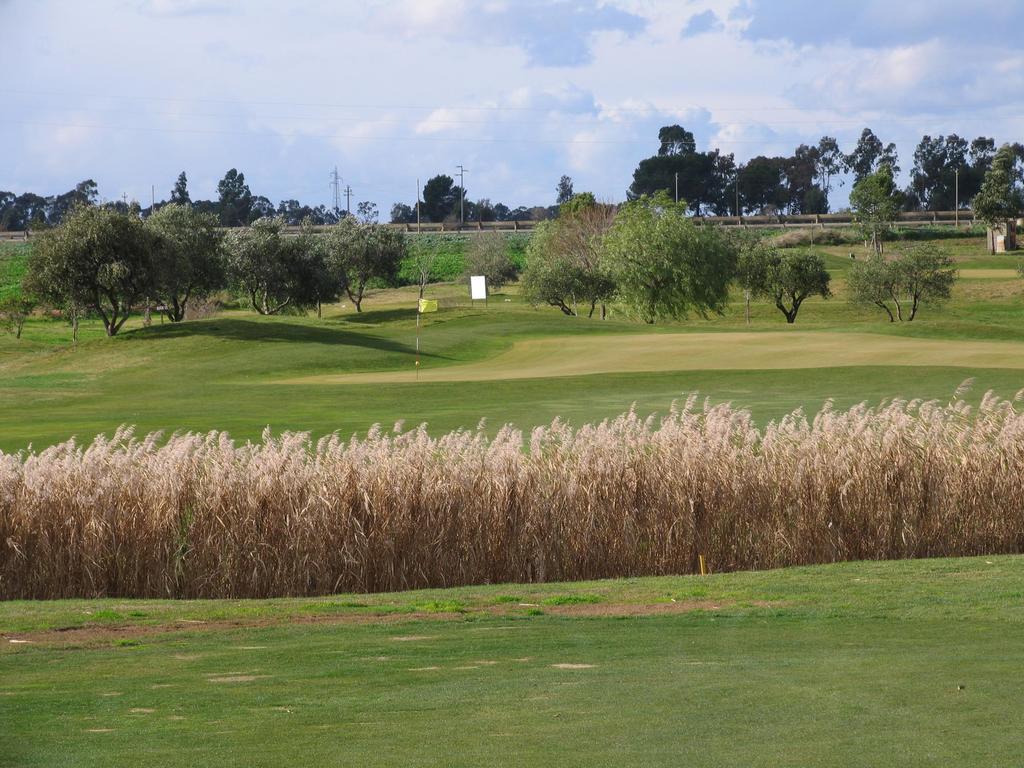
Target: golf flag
{"x":428,"y":305}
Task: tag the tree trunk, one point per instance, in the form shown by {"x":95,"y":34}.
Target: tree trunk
{"x":888,"y":311}
{"x":913,"y":310}
{"x":604,"y":312}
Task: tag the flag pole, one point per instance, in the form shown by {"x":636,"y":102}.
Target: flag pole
{"x":417,"y":341}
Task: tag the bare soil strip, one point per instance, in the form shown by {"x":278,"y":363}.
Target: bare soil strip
{"x":92,"y":635}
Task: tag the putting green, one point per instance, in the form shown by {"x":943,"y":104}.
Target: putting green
{"x":582,"y":355}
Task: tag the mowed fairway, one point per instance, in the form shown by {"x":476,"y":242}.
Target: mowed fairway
{"x":574,"y":356}
{"x":503,"y":363}
{"x":859,"y":664}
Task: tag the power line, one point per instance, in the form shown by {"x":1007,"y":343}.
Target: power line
{"x":462,"y":195}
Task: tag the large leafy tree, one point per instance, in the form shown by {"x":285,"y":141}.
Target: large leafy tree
{"x":440,"y":197}
{"x":761,"y":185}
{"x":179,"y":194}
{"x":678,"y":166}
{"x":1000,"y":198}
{"x":564,"y":190}
{"x":97,"y":258}
{"x":269,"y":268}
{"x":920,"y":274}
{"x":870,"y":154}
{"x":188,"y":257}
{"x":786,"y":279}
{"x":665,"y":266}
{"x":565,"y":264}
{"x":876,"y":203}
{"x":936,"y":162}
{"x":235,"y":200}
{"x":831,"y":164}
{"x":803,"y":195}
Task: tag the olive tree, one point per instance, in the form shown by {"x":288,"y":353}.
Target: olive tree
{"x":357,"y":254}
{"x":565,"y":264}
{"x":664,"y":265}
{"x":98,"y":259}
{"x":786,"y":279}
{"x":899,"y":286}
{"x":273,"y":271}
{"x":189,"y":256}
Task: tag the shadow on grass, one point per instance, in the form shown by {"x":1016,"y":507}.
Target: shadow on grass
{"x":374,"y":316}
{"x":274,"y":329}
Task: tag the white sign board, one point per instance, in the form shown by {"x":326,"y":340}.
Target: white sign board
{"x":478,"y":287}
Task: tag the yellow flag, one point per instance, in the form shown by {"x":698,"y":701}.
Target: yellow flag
{"x":428,"y":305}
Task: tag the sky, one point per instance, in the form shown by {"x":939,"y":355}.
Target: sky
{"x":132,"y":92}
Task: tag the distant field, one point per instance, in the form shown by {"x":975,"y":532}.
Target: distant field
{"x":506,"y":362}
{"x":915,"y":663}
{"x":13,"y":260}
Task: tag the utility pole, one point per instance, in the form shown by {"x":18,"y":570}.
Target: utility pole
{"x":462,"y":195}
{"x":417,"y":205}
{"x":736,"y":184}
{"x":677,"y":187}
{"x":956,"y":205}
{"x":348,"y":199}
{"x":152,"y":199}
{"x":336,"y":188}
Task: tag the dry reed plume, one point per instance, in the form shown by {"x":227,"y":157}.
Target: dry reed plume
{"x":198,"y":516}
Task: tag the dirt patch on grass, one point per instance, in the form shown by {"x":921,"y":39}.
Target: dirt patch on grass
{"x":635,"y":609}
{"x":573,"y":666}
{"x":93,"y":635}
{"x":236,"y":678}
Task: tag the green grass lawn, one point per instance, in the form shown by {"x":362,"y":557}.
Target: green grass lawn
{"x":859,"y":664}
{"x":241,"y":373}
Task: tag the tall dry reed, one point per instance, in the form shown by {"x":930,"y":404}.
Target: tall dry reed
{"x":199,"y":516}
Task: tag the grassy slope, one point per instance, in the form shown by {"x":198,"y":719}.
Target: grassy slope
{"x":226,"y":372}
{"x":915,"y":663}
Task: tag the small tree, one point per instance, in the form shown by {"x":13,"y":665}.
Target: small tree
{"x":664,"y":264}
{"x":15,"y":309}
{"x":356,"y":254}
{"x":189,"y":257}
{"x":488,"y":256}
{"x":99,"y":259}
{"x":999,"y":200}
{"x":788,"y":279}
{"x":267,"y":267}
{"x":900,"y":286}
{"x":876,"y":204}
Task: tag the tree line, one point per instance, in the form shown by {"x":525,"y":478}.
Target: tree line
{"x":235,"y":205}
{"x":947,"y":170}
{"x":714,"y":183}
{"x":650,"y":258}
{"x":108,"y":263}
